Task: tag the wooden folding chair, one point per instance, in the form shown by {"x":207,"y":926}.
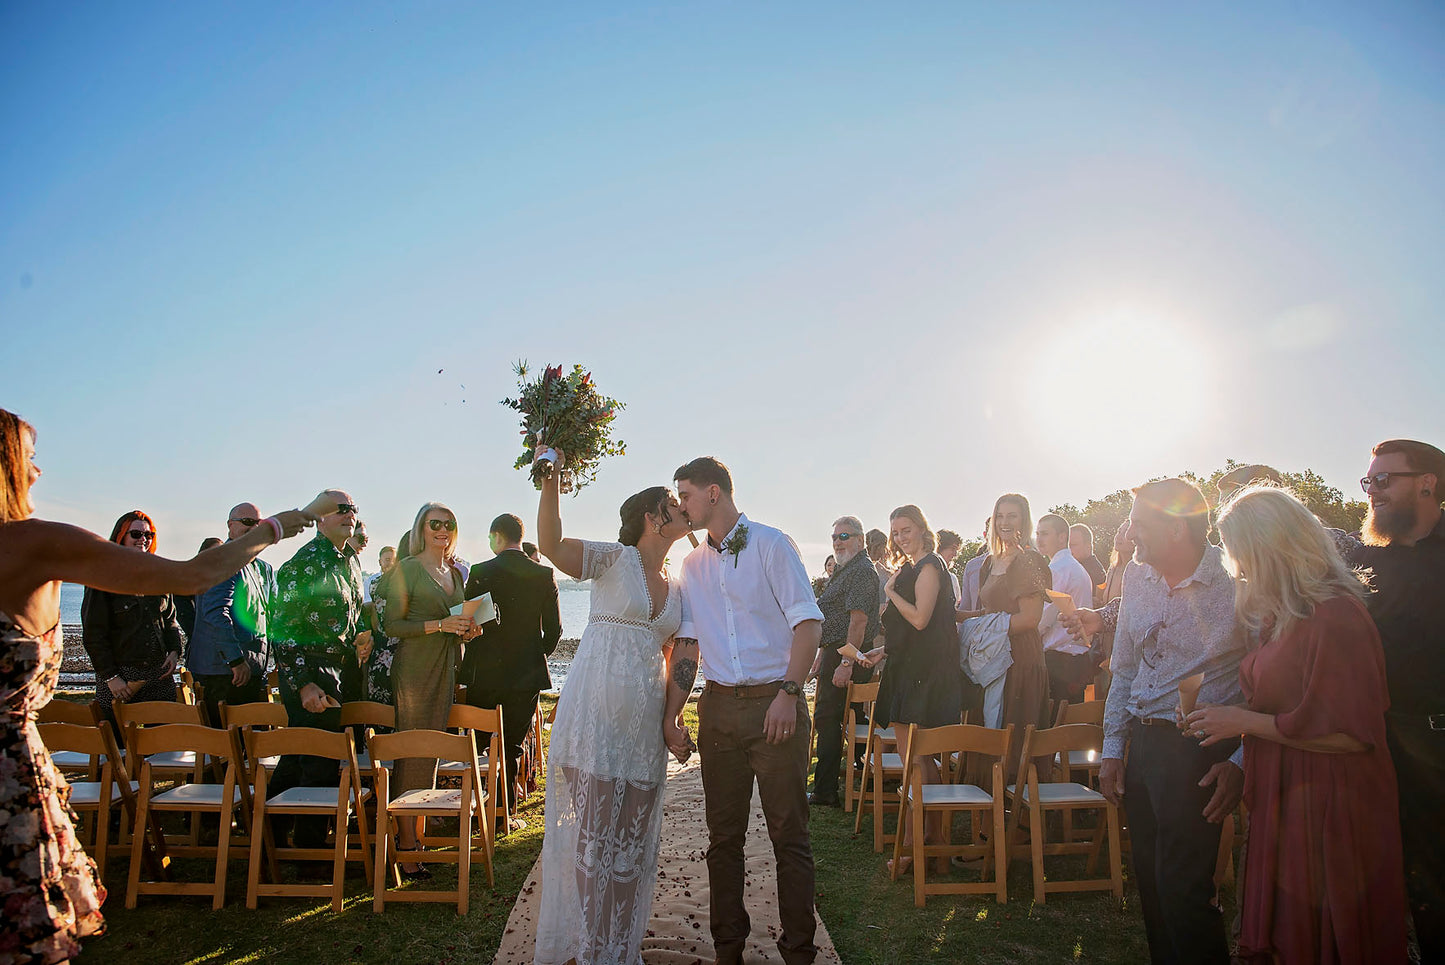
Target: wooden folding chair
{"x":364,"y":717}
{"x":879,"y":765}
{"x":474,"y":721}
{"x":1035,"y":798}
{"x":97,"y":798}
{"x":855,"y":734}
{"x":1083,"y":764}
{"x":461,"y":803}
{"x":984,"y":807}
{"x":85,"y":767}
{"x":232,"y":795}
{"x":341,"y":802}
{"x":249,"y":717}
{"x":175,"y":767}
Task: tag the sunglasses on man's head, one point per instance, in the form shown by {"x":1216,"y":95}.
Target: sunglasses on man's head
{"x":141,"y":534}
{"x":437,"y":525}
{"x":244,"y":520}
{"x":1381,"y":480}
{"x":343,"y":509}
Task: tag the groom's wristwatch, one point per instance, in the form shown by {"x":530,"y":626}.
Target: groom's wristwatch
{"x":790,"y":688}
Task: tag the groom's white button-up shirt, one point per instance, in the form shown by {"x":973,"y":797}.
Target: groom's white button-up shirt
{"x":742,"y":609}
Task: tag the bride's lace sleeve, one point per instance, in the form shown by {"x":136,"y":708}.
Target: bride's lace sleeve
{"x":597,"y":557}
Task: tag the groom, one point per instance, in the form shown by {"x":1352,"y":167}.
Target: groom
{"x":747,"y":605}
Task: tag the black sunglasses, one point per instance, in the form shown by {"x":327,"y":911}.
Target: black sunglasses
{"x":343,"y":509}
{"x":844,"y":537}
{"x":142,"y":534}
{"x":1381,"y":480}
{"x":244,"y":520}
{"x":450,"y":525}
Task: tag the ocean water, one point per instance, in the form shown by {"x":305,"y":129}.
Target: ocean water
{"x":573,"y":600}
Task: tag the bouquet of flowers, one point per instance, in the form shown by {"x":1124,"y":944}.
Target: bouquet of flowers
{"x":564,"y":412}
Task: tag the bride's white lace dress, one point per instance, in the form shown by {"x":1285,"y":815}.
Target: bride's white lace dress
{"x":606,"y":767}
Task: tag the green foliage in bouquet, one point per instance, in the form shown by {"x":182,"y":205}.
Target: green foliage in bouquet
{"x":565,"y":412}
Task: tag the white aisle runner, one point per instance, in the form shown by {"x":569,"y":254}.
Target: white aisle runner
{"x":678,"y":933}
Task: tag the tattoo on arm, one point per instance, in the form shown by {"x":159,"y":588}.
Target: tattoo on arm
{"x":684,"y":664}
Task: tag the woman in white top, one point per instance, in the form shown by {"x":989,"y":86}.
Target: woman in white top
{"x":608,"y":761}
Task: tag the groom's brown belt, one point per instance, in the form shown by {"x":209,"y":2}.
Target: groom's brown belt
{"x":746,"y":691}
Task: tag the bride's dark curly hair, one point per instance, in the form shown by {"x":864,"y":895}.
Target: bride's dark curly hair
{"x":634,"y":512}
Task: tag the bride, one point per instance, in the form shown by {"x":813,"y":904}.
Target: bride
{"x":608,"y":756}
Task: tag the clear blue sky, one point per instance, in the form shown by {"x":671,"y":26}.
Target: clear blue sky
{"x":866,"y":254}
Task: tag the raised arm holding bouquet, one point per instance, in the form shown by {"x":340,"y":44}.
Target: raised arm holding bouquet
{"x":564,"y":412}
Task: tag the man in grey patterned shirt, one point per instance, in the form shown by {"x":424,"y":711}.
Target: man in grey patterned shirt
{"x":1176,"y":619}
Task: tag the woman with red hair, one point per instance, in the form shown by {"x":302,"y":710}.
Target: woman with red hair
{"x":134,"y":642}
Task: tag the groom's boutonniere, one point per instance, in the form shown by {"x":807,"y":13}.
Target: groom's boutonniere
{"x":736,"y":543}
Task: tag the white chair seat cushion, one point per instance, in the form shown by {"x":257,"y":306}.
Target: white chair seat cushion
{"x":307,"y":797}
{"x":891,"y":762}
{"x":860,"y":733}
{"x":363,"y":761}
{"x":1085,"y":759}
{"x":1063,"y":794}
{"x":935,"y":795}
{"x":88,"y":792}
{"x":458,"y":767}
{"x":175,"y":759}
{"x":73,"y":759}
{"x":270,"y":763}
{"x":429,"y":798}
{"x":199,"y":795}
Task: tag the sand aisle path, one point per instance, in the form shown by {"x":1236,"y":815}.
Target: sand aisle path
{"x":678,"y":933}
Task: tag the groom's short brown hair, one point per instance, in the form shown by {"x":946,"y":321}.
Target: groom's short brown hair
{"x":705,"y":471}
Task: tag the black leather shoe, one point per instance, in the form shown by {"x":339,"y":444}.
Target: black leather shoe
{"x":824,"y":802}
{"x":420,"y":874}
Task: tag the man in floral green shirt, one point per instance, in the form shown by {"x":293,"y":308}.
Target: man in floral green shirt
{"x":317,"y":625}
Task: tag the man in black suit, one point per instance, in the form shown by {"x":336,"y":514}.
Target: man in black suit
{"x":507,"y":664}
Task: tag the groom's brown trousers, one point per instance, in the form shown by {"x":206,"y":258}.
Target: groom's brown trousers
{"x":734,"y":752}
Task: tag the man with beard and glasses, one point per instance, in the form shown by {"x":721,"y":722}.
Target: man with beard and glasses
{"x":1402,"y":543}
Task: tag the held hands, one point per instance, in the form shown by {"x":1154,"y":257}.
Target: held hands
{"x":677,"y":739}
{"x":119,"y":689}
{"x":364,"y":644}
{"x":782,"y":718}
{"x":1082,"y":624}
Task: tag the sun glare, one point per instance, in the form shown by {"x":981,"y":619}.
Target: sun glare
{"x":1098,"y":361}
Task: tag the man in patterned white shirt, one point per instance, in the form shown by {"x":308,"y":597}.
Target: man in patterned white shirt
{"x":748,"y":606}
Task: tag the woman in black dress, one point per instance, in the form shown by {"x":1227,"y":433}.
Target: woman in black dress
{"x":921,"y":683}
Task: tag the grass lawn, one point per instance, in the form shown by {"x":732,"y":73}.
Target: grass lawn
{"x":872,"y":921}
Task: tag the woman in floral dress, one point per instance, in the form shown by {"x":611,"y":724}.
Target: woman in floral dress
{"x":50,"y":891}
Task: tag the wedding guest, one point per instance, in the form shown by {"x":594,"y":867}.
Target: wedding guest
{"x":877,"y":543}
{"x":134,"y":642}
{"x":1241,"y":476}
{"x":1403,"y":546}
{"x":358,"y":539}
{"x":52,"y":892}
{"x":318,"y":627}
{"x":1121,"y":558}
{"x":186,"y":605}
{"x":850,"y":622}
{"x":1015,"y":579}
{"x":228,"y":652}
{"x":532,"y":552}
{"x":968,"y":583}
{"x":949,"y":545}
{"x":829,"y":566}
{"x":507,"y":665}
{"x":1324,"y":876}
{"x":1177,"y":618}
{"x":419,"y":600}
{"x":1081,"y":544}
{"x":1069,"y":661}
{"x":921,"y":682}
{"x":376,"y":668}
